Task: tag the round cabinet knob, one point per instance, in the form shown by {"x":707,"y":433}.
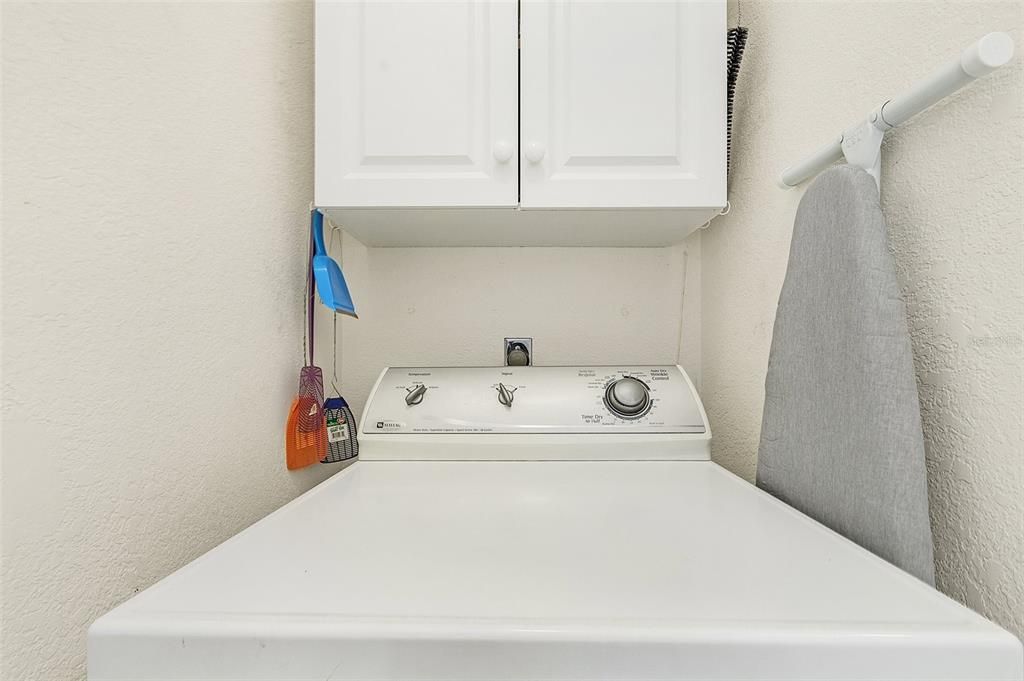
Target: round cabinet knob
{"x":414,"y":395}
{"x":535,"y":152}
{"x":503,"y":151}
{"x":627,"y":397}
{"x":505,"y":395}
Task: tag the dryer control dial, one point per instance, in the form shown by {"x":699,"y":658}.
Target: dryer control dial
{"x":414,"y":395}
{"x":627,"y":397}
{"x":505,"y":395}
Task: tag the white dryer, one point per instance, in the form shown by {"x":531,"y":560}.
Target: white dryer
{"x":542,"y":523}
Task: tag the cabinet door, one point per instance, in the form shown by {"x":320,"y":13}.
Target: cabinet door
{"x":416,"y":103}
{"x":623,"y":103}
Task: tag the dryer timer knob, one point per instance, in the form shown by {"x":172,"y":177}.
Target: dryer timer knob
{"x":627,"y":397}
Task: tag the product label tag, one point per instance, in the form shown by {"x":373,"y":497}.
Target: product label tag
{"x":337,"y":429}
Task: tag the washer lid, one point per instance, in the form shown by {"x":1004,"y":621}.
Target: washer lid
{"x":526,"y":570}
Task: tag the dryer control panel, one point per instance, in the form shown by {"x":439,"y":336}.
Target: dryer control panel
{"x":534,"y":400}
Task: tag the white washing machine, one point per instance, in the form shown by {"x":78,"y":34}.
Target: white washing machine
{"x":538,"y":523}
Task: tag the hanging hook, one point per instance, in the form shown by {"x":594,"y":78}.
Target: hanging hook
{"x":724,"y":211}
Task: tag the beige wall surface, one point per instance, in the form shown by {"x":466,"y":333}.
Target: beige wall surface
{"x":951,"y":191}
{"x":157,"y":165}
{"x":156,"y":170}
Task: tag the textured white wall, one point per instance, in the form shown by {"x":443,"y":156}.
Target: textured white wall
{"x":156,"y":170}
{"x":951,"y":190}
{"x":157,"y":163}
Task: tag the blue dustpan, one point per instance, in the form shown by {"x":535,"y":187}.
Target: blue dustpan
{"x":330,"y":282}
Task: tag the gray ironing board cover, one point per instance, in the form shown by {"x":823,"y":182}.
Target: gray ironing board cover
{"x":841,"y":435}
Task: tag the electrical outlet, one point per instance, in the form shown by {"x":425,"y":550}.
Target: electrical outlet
{"x":515,"y":349}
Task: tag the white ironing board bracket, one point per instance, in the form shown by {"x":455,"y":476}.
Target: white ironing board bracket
{"x":862,"y":145}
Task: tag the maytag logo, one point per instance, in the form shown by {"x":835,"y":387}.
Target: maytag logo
{"x":389,"y":425}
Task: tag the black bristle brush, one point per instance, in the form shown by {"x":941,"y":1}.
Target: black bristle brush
{"x":737,"y":41}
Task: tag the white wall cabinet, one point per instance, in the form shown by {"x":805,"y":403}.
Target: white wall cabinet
{"x":619,"y":104}
{"x":416,"y":104}
{"x":547,"y":122}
